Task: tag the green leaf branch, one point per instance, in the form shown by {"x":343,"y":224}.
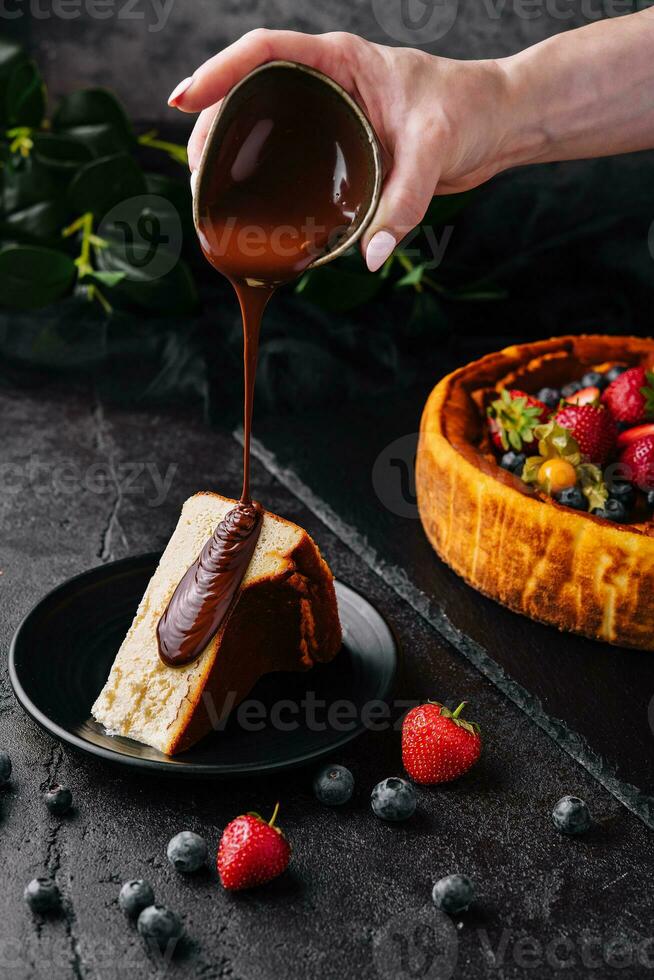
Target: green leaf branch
{"x":175,"y":151}
{"x":61,"y":178}
{"x":87,"y":274}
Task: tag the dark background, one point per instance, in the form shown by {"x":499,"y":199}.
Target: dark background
{"x":567,"y":242}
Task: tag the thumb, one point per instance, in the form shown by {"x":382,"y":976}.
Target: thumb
{"x":406,"y":195}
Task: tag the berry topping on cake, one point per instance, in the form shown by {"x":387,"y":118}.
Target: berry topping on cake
{"x":555,"y":475}
{"x":513,"y":462}
{"x":549,"y":396}
{"x":615,"y":372}
{"x":613,"y":510}
{"x":560,"y":465}
{"x":623,"y":491}
{"x":592,"y":428}
{"x":513,"y":417}
{"x":585,"y":396}
{"x":634,"y":434}
{"x":594,"y":379}
{"x":572,"y":497}
{"x":630,"y":398}
{"x":567,"y":391}
{"x":638,"y":459}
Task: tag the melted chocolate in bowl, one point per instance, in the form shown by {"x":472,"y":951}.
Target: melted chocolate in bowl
{"x":284,"y":183}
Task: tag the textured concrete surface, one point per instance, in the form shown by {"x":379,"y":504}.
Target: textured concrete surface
{"x":355,"y":902}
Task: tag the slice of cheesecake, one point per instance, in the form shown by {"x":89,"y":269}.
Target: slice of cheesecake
{"x":284,"y":618}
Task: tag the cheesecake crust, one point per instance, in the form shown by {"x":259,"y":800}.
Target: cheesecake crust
{"x":569,"y":569}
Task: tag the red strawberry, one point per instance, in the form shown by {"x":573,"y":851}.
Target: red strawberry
{"x":513,"y":417}
{"x":592,"y":427}
{"x":437,"y":744}
{"x":639,"y":458}
{"x":630,"y":398}
{"x":635,"y":435}
{"x":251,"y":852}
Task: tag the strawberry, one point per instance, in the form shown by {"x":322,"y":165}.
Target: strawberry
{"x":584,"y":397}
{"x":251,"y":852}
{"x":592,"y":427}
{"x":437,"y":744}
{"x":513,"y":417}
{"x":634,"y":435}
{"x":639,"y":458}
{"x":630,"y":398}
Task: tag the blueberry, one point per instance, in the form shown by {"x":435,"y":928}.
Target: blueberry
{"x":333,"y":785}
{"x":42,"y":895}
{"x":571,"y":816}
{"x":5,"y":768}
{"x":613,"y":510}
{"x":58,"y":799}
{"x":187,"y":851}
{"x":593,"y":379}
{"x":453,"y":894}
{"x":135,"y":896}
{"x":513,"y":462}
{"x":571,"y":389}
{"x":158,"y":925}
{"x":572,"y":497}
{"x":650,"y":499}
{"x":549,"y":396}
{"x":624,"y":492}
{"x":393,"y":799}
{"x":614,"y":373}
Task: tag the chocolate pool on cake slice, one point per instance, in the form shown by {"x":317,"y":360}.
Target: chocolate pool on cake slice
{"x":282,"y":617}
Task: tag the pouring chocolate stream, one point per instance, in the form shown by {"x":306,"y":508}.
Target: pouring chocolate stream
{"x":286,"y":181}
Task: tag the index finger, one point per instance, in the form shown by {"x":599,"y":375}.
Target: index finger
{"x":214,"y":79}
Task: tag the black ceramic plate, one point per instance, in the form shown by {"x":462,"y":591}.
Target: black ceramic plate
{"x":62,"y":652}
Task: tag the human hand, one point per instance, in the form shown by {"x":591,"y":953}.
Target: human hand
{"x":441,"y":123}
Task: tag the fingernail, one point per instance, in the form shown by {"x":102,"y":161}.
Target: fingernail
{"x":179,"y":90}
{"x":379,"y":248}
{"x":194,"y":180}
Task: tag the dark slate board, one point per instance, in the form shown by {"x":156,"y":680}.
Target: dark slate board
{"x":596,"y":700}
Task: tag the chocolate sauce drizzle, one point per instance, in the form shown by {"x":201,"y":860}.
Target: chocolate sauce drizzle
{"x":291,"y":166}
{"x":204,"y":596}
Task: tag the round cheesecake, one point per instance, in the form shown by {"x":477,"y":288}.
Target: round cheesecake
{"x":508,"y":540}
